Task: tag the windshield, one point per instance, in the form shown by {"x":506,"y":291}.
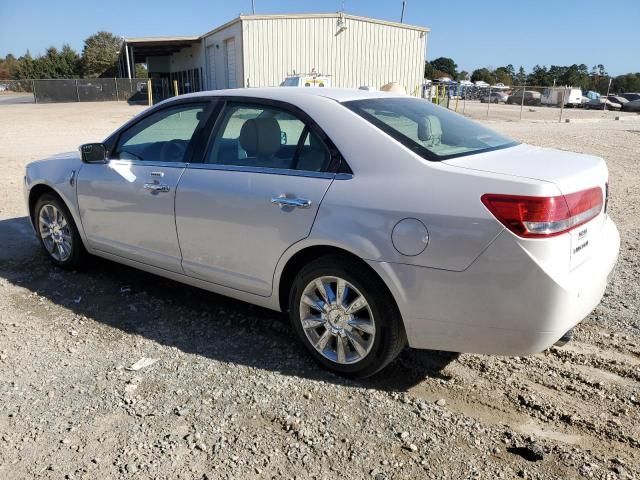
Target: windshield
{"x":433,"y":132}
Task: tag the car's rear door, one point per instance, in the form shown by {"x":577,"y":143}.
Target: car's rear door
{"x":127,"y":204}
{"x":255,"y":193}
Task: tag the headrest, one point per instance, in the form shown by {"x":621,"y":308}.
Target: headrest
{"x":430,"y":130}
{"x":260,"y":136}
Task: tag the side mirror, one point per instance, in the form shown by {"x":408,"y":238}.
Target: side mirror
{"x":93,"y":153}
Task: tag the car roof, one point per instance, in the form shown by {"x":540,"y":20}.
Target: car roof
{"x":291,"y":93}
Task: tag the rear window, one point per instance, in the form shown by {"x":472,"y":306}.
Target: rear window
{"x":433,"y":132}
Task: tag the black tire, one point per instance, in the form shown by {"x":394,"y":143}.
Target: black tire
{"x":389,"y":339}
{"x":78,"y":255}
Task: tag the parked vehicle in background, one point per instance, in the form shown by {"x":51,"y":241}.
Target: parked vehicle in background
{"x":481,"y":84}
{"x":374,"y":219}
{"x":555,"y":95}
{"x":618,"y":99}
{"x":631,"y":96}
{"x":495,"y":97}
{"x":500,"y":86}
{"x":531,"y":97}
{"x":633,"y":106}
{"x":599,"y":103}
{"x":307,"y":80}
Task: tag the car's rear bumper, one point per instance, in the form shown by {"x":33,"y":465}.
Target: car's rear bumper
{"x":504,"y":303}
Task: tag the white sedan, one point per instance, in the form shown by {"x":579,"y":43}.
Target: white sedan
{"x":375,"y":220}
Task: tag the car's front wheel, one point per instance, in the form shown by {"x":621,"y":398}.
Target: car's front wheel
{"x":57,"y":232}
{"x":345,"y":317}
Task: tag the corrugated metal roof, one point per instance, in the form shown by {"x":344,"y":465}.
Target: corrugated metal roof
{"x":335,"y":15}
{"x":281,"y":16}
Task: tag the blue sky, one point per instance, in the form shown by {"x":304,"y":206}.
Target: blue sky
{"x":474,"y":33}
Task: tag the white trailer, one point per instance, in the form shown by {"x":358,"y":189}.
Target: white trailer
{"x":554,"y":95}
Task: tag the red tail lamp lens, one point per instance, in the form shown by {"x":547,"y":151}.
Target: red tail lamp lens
{"x":534,"y":217}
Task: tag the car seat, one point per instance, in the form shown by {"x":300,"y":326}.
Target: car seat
{"x":260,"y":138}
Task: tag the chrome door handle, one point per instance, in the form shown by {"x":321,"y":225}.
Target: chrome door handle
{"x":156,"y":187}
{"x":291,"y":202}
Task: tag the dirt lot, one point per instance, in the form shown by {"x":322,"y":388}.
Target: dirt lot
{"x":232,"y":395}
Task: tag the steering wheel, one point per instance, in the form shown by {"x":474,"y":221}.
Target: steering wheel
{"x":173,"y":151}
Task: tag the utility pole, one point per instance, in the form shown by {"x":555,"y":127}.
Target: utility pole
{"x":402,"y":14}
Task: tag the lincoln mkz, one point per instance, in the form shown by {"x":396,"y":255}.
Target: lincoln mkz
{"x":375,"y":220}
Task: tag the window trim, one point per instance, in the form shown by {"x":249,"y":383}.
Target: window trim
{"x":269,"y":171}
{"x":410,"y":144}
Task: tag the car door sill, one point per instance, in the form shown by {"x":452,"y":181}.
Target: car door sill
{"x":269,"y":302}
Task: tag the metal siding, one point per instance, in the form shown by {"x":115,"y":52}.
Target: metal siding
{"x":211,"y":67}
{"x":217,"y":62}
{"x":230,"y":54}
{"x":366,"y":53}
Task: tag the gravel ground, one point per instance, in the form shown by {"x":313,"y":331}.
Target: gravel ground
{"x":232,"y":395}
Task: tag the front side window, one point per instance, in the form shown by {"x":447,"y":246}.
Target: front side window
{"x":432,"y":132}
{"x":266,"y":137}
{"x":162,"y":136}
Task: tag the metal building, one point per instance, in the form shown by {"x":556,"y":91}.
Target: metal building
{"x":261,"y":50}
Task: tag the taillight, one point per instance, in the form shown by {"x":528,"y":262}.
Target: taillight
{"x":535,"y":217}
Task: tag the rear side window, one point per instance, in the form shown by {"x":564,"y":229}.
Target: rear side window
{"x":266,"y":137}
{"x":432,"y":132}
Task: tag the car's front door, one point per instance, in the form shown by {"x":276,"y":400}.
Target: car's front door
{"x":127,"y":204}
{"x":255,"y":194}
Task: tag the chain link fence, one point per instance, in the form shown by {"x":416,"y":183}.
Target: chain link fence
{"x":131,"y":90}
{"x":523,"y":102}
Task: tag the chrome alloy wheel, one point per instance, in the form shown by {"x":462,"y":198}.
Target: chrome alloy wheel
{"x":337,"y":320}
{"x":55,"y":232}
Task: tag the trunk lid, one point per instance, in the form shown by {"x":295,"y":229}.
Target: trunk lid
{"x":571,"y":172}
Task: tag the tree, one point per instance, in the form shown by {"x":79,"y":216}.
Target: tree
{"x":484,"y":75}
{"x":505,"y":74}
{"x":8,"y":67}
{"x":69,"y":62}
{"x":141,"y":70}
{"x":463,"y":75}
{"x":539,"y":77}
{"x":576,"y":76}
{"x":446,"y":65}
{"x":521,"y":76}
{"x":626,"y":83}
{"x":100,"y":55}
{"x":428,"y":70}
{"x":53,"y":64}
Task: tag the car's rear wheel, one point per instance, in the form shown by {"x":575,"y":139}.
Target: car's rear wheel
{"x":58,"y":233}
{"x":345,"y":317}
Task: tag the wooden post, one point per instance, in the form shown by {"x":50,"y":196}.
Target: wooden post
{"x":175,"y":88}
{"x":149,"y":94}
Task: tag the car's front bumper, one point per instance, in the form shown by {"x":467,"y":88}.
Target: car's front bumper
{"x":504,"y":303}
